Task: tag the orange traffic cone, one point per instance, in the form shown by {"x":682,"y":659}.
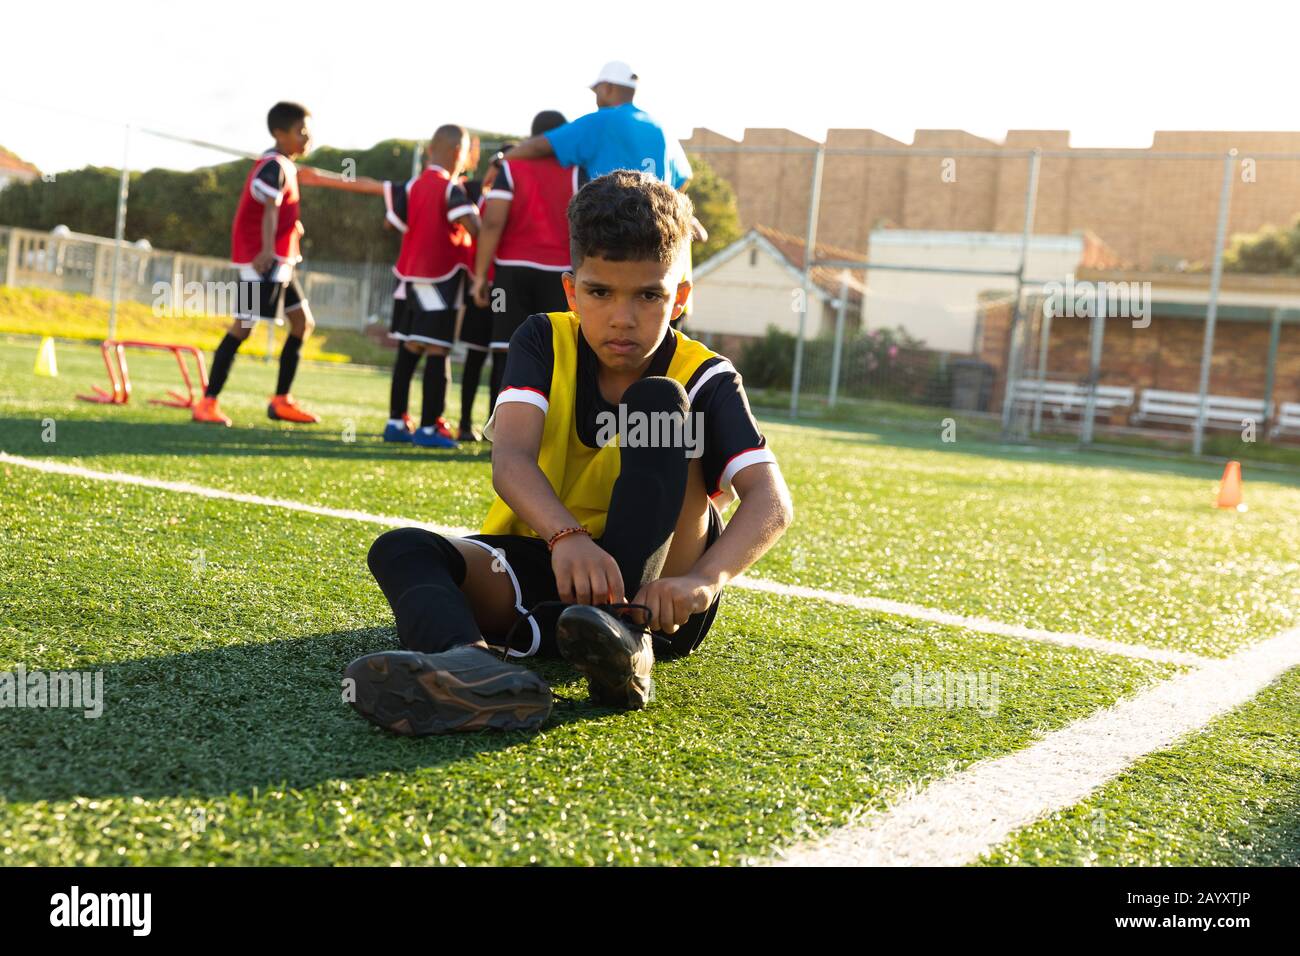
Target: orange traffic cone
{"x":1230,"y":488}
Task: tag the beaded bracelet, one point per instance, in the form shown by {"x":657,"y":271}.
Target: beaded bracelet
{"x":564,"y":533}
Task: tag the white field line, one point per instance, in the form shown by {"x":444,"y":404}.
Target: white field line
{"x":880,"y":605}
{"x":982,"y":624}
{"x":959,"y":817}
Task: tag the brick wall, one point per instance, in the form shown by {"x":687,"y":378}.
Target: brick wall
{"x":1167,"y":355}
{"x":1152,"y":212}
{"x":994,"y":330}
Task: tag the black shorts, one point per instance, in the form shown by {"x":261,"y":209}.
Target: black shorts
{"x":426,"y":312}
{"x":476,"y":327}
{"x":524,"y":291}
{"x":528,"y":562}
{"x":259,"y":299}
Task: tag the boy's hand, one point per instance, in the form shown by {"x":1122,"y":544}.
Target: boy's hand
{"x":672,"y":601}
{"x":263,"y":261}
{"x":478,"y":292}
{"x":585,"y":573}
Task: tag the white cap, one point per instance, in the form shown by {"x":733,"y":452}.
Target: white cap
{"x":616,"y":72}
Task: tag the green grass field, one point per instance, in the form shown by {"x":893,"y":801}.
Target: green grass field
{"x":222,"y":629}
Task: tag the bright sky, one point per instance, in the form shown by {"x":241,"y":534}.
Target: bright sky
{"x":1111,"y":72}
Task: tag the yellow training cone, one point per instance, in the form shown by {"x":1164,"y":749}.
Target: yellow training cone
{"x":46,"y":364}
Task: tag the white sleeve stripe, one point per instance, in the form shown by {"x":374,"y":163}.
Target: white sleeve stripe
{"x":525,"y":395}
{"x":270,"y":192}
{"x":757,"y":456}
{"x":459,"y":211}
{"x":720,"y":368}
{"x":390,"y":213}
{"x":499,"y":194}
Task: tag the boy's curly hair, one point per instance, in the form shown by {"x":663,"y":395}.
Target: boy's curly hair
{"x":627,"y":215}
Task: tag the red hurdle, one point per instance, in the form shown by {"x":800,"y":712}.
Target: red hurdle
{"x":119,"y":376}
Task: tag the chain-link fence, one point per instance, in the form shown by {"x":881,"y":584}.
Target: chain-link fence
{"x":1131,"y":295}
{"x":347,"y":295}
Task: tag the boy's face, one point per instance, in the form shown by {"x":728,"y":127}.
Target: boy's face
{"x":624,"y":307}
{"x":292,"y":141}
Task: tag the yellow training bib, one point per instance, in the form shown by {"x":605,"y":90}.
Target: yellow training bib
{"x":581,"y":477}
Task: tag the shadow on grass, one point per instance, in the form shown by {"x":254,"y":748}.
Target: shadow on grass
{"x":87,"y":438}
{"x":231,"y":719}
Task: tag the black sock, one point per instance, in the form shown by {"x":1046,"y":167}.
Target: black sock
{"x":647,"y":497}
{"x":470,"y":375}
{"x":497,"y":377}
{"x":288,"y":364}
{"x":222,"y":359}
{"x":403,"y":369}
{"x":420,"y":574}
{"x":435,"y":389}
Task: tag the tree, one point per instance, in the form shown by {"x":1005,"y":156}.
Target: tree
{"x":715,"y":207}
{"x":1269,"y":251}
{"x":191,"y":211}
{"x":84,"y":200}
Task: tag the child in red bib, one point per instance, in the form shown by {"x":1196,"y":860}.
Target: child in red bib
{"x":438,"y":223}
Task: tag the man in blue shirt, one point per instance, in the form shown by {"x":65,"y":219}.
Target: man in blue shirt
{"x":618,"y":135}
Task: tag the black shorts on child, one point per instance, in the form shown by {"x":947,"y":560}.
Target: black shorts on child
{"x":523,"y":291}
{"x":426,"y":311}
{"x":259,"y":299}
{"x":476,"y":327}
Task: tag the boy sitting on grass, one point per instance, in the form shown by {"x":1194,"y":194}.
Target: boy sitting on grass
{"x":581,"y":521}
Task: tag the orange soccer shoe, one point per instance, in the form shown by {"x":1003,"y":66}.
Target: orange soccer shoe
{"x":284,"y":409}
{"x":206,"y":411}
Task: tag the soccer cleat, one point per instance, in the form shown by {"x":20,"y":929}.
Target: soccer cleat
{"x":467,"y":433}
{"x":613,"y":653}
{"x":442,"y":428}
{"x":207,"y":411}
{"x":408,"y":422}
{"x":284,"y":409}
{"x":464,"y":689}
{"x":398,"y":433}
{"x":432,"y":438}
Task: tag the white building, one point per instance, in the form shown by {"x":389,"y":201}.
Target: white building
{"x":755,"y":282}
{"x":941,"y":309}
